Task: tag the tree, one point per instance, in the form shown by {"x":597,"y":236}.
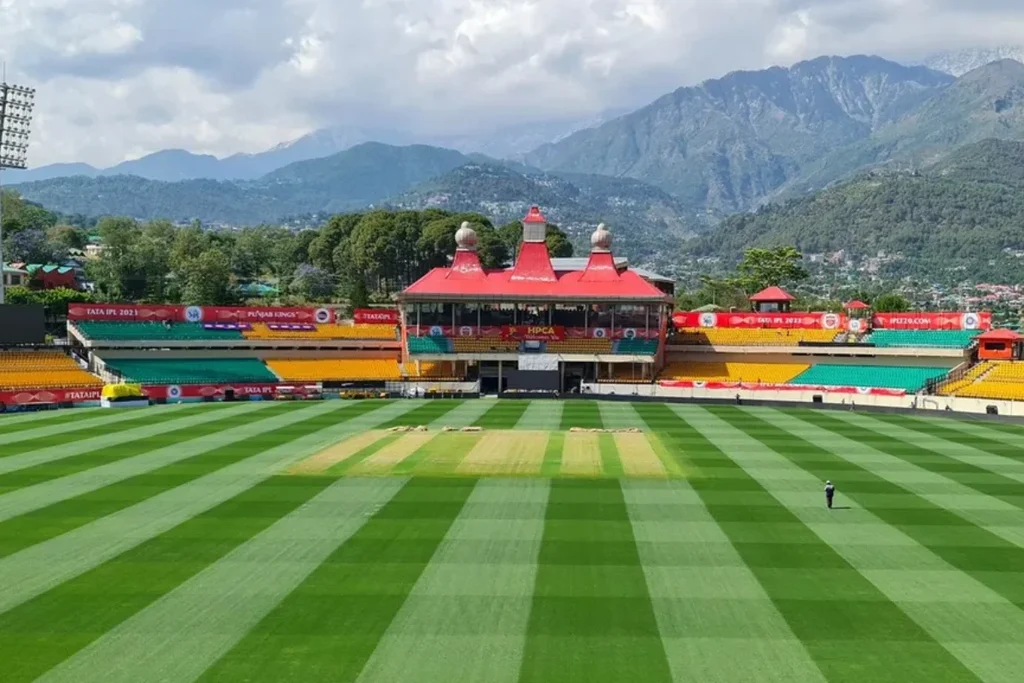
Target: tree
{"x":119,"y":274}
{"x":31,"y":246}
{"x":358,"y":295}
{"x":312,"y":283}
{"x":778,"y":266}
{"x":67,"y":237}
{"x":207,"y":279}
{"x":891,"y":303}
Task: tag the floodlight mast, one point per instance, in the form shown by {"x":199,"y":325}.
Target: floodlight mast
{"x":16,"y":103}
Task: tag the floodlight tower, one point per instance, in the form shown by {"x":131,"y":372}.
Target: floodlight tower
{"x":16,"y":104}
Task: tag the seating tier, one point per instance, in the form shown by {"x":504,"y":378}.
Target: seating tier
{"x":42,"y":370}
{"x":136,"y":331}
{"x":728,"y":336}
{"x":908,"y":378}
{"x":942,"y":339}
{"x":192,"y":370}
{"x":753,"y":373}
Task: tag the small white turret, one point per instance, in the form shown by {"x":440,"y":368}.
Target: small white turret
{"x":601,"y":240}
{"x":465,"y":237}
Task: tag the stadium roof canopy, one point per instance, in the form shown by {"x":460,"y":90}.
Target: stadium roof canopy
{"x":855,"y":305}
{"x":772,"y":294}
{"x":999,"y":335}
{"x":533,"y":277}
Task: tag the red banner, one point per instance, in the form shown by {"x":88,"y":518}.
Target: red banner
{"x":224,"y":314}
{"x":125,"y":312}
{"x":933,"y":321}
{"x":200,"y":314}
{"x":37,"y":396}
{"x":790,"y":321}
{"x":745,"y":386}
{"x":176,"y":392}
{"x":375,"y":316}
{"x":533,"y":332}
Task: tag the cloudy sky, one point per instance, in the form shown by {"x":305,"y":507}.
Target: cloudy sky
{"x":120,"y":78}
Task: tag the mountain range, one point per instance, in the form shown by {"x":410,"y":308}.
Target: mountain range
{"x":673,"y":168}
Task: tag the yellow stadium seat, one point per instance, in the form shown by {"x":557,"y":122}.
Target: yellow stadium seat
{"x":335,"y":369}
{"x":753,"y":373}
{"x":367,"y":332}
{"x":580,"y":346}
{"x":999,"y":380}
{"x":729,"y":336}
{"x":42,"y":370}
{"x":484,"y":345}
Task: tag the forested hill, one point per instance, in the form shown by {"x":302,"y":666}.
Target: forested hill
{"x":966,"y":210}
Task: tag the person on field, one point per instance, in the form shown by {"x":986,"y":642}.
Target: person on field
{"x":830,"y":492}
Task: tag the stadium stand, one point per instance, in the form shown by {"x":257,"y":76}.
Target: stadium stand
{"x":908,"y":378}
{"x":335,"y":332}
{"x":1000,"y":380}
{"x":726,"y":336}
{"x":431,"y":371}
{"x":430,"y":345}
{"x":636,"y":347}
{"x":335,"y":369}
{"x":626,"y":373}
{"x":136,"y":331}
{"x":580,"y":346}
{"x":484,"y":345}
{"x":757,"y":373}
{"x":192,"y":370}
{"x":42,"y":370}
{"x":943,"y":339}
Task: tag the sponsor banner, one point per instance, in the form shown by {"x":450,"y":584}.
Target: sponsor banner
{"x":375,"y":316}
{"x":124,"y":312}
{"x":790,"y":321}
{"x":533,"y":332}
{"x":490,"y":332}
{"x":38,"y":396}
{"x":175,"y":392}
{"x":199,"y":314}
{"x":251,"y":314}
{"x":864,"y":391}
{"x":933,"y":321}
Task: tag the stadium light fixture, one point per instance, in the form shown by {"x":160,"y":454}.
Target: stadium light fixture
{"x":16,"y":104}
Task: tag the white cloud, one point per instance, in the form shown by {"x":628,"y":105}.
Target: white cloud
{"x":120,"y":78}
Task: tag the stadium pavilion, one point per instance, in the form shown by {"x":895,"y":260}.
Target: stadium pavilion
{"x":531,"y":327}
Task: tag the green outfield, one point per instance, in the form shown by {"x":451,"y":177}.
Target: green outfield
{"x":308,"y":542}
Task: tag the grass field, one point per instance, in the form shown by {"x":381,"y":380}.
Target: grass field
{"x":306,"y":542}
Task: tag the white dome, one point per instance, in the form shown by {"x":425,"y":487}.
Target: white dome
{"x":601,"y":239}
{"x":465,"y":237}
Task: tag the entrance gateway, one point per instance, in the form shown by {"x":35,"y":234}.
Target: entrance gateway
{"x":537,"y":325}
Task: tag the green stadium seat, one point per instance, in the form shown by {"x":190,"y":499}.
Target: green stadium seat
{"x":871,"y":376}
{"x":430,"y":345}
{"x":192,"y":370}
{"x":942,"y":339}
{"x":636,"y":347}
{"x":135,"y":331}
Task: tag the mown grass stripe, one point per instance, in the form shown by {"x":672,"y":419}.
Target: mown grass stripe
{"x":580,"y":413}
{"x":502,"y":415}
{"x":553,"y":455}
{"x":357,"y":458}
{"x":611,"y":462}
{"x":591,"y":618}
{"x":980,"y":470}
{"x":41,"y":512}
{"x":975,"y":551}
{"x":441,"y":456}
{"x":11,"y":423}
{"x":619,"y":415}
{"x":39,"y":634}
{"x":463,"y":415}
{"x":34,"y":468}
{"x":865,"y":633}
{"x":982,"y":429}
{"x":239,"y":467}
{"x":717,"y":623}
{"x":541,"y":415}
{"x":1008,"y":452}
{"x":45,"y":437}
{"x":953,"y":503}
{"x":190,"y":627}
{"x":465,"y":619}
{"x":973,"y":609}
{"x":424,"y":412}
{"x":334,"y":619}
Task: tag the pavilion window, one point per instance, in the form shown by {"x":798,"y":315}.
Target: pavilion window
{"x":436,"y":314}
{"x":534,"y":314}
{"x":599,"y":315}
{"x":630,"y":316}
{"x":568,"y":315}
{"x":467,"y":315}
{"x":497,"y":315}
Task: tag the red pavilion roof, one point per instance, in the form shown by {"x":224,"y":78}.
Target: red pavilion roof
{"x":1000,"y":335}
{"x":772,"y":294}
{"x":855,"y":305}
